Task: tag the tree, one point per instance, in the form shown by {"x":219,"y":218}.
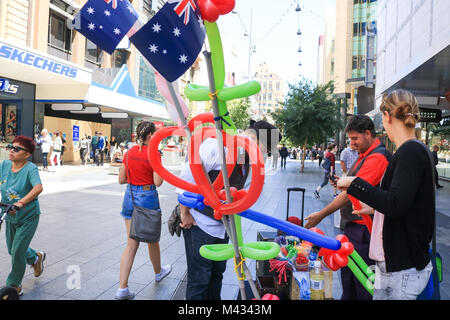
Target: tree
{"x":240,"y":112}
{"x":309,"y":115}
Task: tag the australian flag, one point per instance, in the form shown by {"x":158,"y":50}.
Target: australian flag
{"x":172,"y":39}
{"x":105,"y":22}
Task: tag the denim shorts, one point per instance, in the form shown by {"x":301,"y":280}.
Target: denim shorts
{"x":142,"y":198}
{"x":401,"y":285}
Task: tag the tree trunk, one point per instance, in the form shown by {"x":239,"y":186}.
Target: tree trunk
{"x":304,"y":155}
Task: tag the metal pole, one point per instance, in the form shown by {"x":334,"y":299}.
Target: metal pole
{"x":250,"y":43}
{"x":231,"y":225}
{"x":183,"y":120}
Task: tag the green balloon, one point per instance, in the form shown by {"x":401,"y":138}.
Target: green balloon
{"x":240,"y":91}
{"x":215,"y":45}
{"x":261,"y":250}
{"x":217,"y":252}
{"x":194,"y":92}
{"x":366,"y":283}
{"x":363,"y":265}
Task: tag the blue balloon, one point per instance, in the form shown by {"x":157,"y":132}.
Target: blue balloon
{"x":195,"y":201}
{"x":292,"y":229}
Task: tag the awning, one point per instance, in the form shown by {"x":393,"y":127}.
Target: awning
{"x":55,"y":79}
{"x":121,"y":96}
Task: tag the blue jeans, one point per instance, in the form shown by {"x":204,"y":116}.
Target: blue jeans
{"x":204,"y":277}
{"x":401,"y":285}
{"x":325,"y":179}
{"x":142,"y":198}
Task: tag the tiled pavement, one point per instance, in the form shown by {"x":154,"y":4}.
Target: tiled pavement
{"x":81,"y":229}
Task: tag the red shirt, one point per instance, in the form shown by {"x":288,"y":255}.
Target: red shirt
{"x":140,"y":170}
{"x":372,"y":170}
{"x":332,"y":157}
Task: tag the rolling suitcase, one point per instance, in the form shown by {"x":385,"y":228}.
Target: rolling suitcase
{"x":289,"y":190}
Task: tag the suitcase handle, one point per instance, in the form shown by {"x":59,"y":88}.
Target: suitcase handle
{"x":303,"y":201}
{"x":296,"y":189}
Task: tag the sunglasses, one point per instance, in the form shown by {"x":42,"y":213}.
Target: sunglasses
{"x":15,"y":148}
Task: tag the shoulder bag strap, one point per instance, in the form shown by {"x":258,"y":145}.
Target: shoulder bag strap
{"x":129,"y":177}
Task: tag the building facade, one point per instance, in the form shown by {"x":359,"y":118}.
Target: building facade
{"x":272,"y":91}
{"x":52,"y":77}
{"x":413,"y":53}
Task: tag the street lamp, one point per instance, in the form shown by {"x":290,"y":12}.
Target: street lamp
{"x":251,"y":48}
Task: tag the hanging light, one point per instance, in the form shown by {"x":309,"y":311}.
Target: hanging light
{"x":300,"y":64}
{"x":299,"y":49}
{"x":299,"y":33}
{"x":298,"y":8}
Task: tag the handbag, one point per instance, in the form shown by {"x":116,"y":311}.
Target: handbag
{"x":145,"y":223}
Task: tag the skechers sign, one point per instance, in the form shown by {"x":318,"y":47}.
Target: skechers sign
{"x":36,"y":61}
{"x":7,"y":87}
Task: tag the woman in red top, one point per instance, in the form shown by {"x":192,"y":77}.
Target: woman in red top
{"x":137,"y":172}
{"x":332,"y":148}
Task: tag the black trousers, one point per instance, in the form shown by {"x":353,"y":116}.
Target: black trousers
{"x":359,"y":236}
{"x":283,"y":162}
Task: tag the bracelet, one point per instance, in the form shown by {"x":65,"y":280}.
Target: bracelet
{"x":21,"y":202}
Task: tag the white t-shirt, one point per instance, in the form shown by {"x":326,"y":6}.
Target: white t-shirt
{"x":211,"y":161}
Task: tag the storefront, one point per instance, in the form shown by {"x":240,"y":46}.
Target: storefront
{"x":16,"y":103}
{"x":40,"y":91}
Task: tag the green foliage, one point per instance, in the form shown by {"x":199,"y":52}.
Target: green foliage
{"x":309,"y":114}
{"x":240,"y":112}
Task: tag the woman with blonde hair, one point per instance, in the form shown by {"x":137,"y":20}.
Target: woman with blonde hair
{"x":45,"y":142}
{"x":404,"y":205}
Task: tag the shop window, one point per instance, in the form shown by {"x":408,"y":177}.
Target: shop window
{"x":149,"y":9}
{"x":120,"y":57}
{"x":59,"y":35}
{"x":147,"y":84}
{"x":93,"y":52}
{"x":9,"y":121}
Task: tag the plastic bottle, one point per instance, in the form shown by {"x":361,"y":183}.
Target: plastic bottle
{"x":316,"y":278}
{"x":313,"y":254}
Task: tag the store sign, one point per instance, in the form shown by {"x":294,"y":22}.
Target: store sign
{"x":430,"y":115}
{"x":76,"y":133}
{"x":36,"y":61}
{"x":158,"y":124}
{"x":7,"y":87}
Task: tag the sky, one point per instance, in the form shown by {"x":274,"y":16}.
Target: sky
{"x":279,"y":48}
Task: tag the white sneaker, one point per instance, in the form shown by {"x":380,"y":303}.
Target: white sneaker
{"x":124,"y":294}
{"x":165,"y":270}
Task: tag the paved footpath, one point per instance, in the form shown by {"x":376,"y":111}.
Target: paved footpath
{"x":84,"y":236}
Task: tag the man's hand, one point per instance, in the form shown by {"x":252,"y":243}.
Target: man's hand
{"x":313,"y":219}
{"x":187,"y":220}
{"x":365,"y":210}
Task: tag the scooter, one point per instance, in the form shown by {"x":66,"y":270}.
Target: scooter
{"x":7,"y":293}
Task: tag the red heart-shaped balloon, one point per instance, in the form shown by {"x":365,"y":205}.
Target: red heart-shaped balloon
{"x":155,"y":159}
{"x":247,"y":197}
